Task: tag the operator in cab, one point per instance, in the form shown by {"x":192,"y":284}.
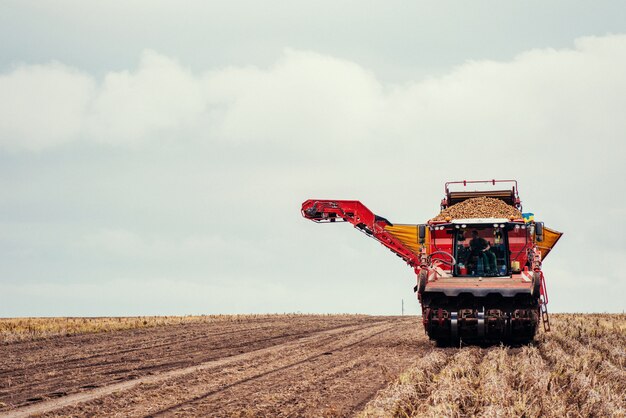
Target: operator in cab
{"x":480,"y":248}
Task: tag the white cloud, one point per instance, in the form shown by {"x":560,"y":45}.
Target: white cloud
{"x":131,"y":107}
{"x":311,"y":98}
{"x":244,"y":146}
{"x":305,"y":97}
{"x":42,"y":106}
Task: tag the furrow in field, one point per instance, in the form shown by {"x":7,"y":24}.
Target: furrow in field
{"x":338,"y":370}
{"x":37,"y":381}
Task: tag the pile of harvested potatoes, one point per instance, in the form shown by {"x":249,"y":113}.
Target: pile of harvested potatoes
{"x":479,"y":207}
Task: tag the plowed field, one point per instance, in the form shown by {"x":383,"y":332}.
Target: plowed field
{"x":272,"y":366}
{"x":301,"y":365}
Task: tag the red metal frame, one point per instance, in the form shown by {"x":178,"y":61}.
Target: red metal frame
{"x":361,"y":217}
{"x":515,"y":189}
{"x":492,"y":181}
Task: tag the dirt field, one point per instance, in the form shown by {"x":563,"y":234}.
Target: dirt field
{"x":301,"y":365}
{"x":315,"y":366}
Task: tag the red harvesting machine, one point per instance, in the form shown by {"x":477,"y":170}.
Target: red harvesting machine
{"x":478,"y":279}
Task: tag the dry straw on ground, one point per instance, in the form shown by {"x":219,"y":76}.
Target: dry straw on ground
{"x":26,"y":329}
{"x":576,"y":370}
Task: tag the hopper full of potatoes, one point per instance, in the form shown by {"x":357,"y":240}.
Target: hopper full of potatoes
{"x":479,"y":207}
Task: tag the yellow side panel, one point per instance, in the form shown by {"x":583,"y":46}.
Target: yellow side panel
{"x":407,"y":234}
{"x":550,"y":237}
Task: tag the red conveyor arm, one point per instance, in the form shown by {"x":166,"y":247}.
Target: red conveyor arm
{"x":362,"y":218}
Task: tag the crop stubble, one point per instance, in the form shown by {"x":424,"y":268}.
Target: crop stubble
{"x":577,"y":369}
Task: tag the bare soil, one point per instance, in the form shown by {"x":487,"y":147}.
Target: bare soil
{"x":267,"y":366}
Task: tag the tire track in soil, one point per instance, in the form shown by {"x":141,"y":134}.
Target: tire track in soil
{"x":203,"y":397}
{"x":322,"y":338}
{"x":85,"y":396}
{"x":360,"y":378}
{"x":39,"y":382}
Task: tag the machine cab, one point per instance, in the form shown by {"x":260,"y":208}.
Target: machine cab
{"x":483,"y":247}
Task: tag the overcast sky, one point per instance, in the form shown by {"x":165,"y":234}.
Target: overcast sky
{"x":154,"y":155}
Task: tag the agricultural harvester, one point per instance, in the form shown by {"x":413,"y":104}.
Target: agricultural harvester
{"x":468,"y":292}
